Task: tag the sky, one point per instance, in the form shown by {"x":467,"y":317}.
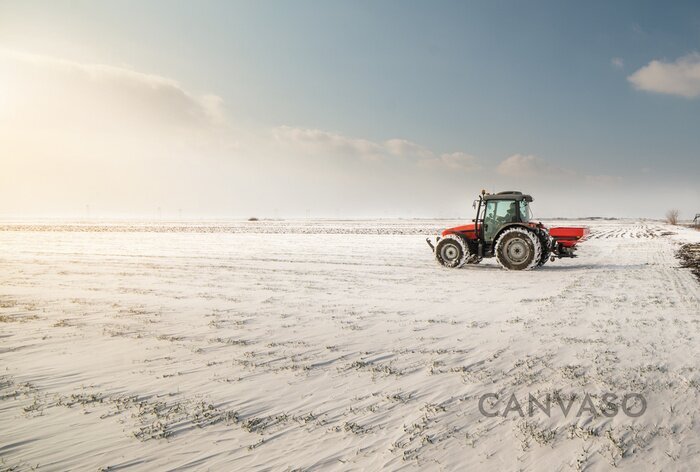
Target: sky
{"x":351,"y":109}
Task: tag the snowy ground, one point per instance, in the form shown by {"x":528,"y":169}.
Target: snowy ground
{"x":338,"y":346}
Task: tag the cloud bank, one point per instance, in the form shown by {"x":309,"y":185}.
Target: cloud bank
{"x":453,"y":160}
{"x":319,"y":142}
{"x":533,"y":168}
{"x":527,"y":166}
{"x":94,"y":87}
{"x":680,"y":78}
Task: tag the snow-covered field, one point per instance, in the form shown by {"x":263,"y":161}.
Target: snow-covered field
{"x":339,"y":346}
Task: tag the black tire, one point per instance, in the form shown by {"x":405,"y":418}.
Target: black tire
{"x":473,"y":251}
{"x":452,"y":251}
{"x":518,"y":249}
{"x":546,"y":248}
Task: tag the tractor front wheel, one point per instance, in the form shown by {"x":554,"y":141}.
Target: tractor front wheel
{"x":518,"y":249}
{"x":452,"y":251}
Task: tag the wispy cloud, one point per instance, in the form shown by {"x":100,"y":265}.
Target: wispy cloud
{"x":405,"y":148}
{"x":617,"y":62}
{"x":681,"y":77}
{"x":526,"y":166}
{"x":453,"y":160}
{"x":150,"y":93}
{"x":530,"y":167}
{"x":316,"y":141}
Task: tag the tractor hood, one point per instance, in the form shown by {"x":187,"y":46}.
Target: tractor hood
{"x":464,"y":229}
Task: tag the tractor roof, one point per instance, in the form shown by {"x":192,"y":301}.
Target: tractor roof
{"x":509,"y":195}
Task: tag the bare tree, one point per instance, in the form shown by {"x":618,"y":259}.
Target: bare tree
{"x":672,"y":217}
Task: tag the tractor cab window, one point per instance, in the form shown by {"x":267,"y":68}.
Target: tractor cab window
{"x":498,"y":213}
{"x":525,"y":212}
{"x":501,"y":211}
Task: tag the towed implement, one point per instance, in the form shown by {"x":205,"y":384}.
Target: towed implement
{"x":503,"y":229}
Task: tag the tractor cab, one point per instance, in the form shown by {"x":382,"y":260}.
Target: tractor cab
{"x":501,"y":209}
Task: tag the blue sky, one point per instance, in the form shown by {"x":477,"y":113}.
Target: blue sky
{"x":547,"y":81}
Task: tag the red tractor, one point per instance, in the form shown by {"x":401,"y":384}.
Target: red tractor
{"x":503,"y":229}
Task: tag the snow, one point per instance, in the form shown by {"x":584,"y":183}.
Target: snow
{"x":337,"y":345}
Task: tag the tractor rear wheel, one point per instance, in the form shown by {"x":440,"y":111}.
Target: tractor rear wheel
{"x":518,"y":249}
{"x":452,"y":251}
